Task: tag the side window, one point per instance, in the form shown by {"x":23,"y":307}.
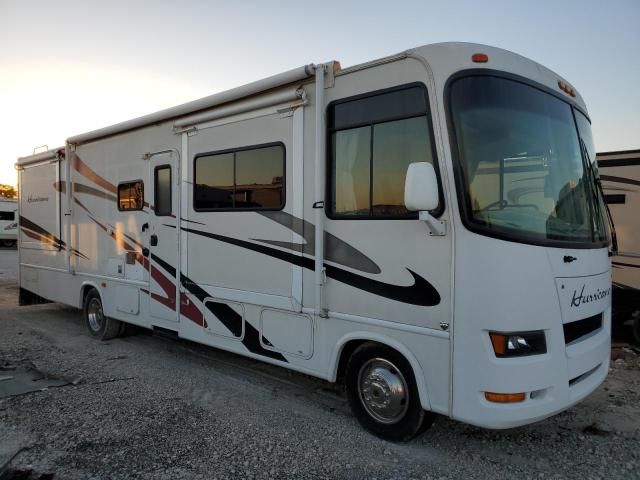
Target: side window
{"x":162,"y":191}
{"x":131,"y":196}
{"x":10,"y":216}
{"x":245,"y":179}
{"x":373,"y":141}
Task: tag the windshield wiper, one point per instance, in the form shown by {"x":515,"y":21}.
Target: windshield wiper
{"x":598,"y":185}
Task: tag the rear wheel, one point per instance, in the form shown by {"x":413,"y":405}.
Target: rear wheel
{"x":383,"y":393}
{"x":636,"y":327}
{"x":99,"y":325}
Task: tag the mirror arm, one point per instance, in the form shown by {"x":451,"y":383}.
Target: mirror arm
{"x":437,"y":228}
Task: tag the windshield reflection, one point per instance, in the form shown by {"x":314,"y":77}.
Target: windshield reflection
{"x":521,"y":162}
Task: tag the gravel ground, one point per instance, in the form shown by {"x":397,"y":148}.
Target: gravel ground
{"x":8,"y":265}
{"x":144,"y":406}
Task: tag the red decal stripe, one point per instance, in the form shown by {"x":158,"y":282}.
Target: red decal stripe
{"x":87,"y":172}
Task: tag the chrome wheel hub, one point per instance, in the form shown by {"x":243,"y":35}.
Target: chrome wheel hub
{"x":95,"y":315}
{"x":383,"y":391}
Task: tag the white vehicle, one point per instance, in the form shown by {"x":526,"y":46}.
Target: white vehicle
{"x":8,"y":222}
{"x":424,"y":227}
{"x":620,"y":175}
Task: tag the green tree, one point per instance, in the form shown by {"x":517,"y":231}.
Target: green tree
{"x":8,"y":191}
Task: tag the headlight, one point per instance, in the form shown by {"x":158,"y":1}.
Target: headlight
{"x":518,"y":344}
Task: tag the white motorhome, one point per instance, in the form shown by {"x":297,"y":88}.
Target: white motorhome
{"x":620,"y":175}
{"x":424,"y":227}
{"x":8,"y":222}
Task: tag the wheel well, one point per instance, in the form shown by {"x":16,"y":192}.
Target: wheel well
{"x":347,"y":351}
{"x":84,"y":292}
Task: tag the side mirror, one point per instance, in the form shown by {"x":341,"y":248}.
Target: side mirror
{"x":421,"y":194}
{"x":421,"y":187}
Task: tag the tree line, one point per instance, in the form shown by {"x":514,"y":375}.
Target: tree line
{"x":8,"y":191}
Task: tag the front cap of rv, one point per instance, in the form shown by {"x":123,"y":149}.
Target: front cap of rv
{"x":531,"y":330}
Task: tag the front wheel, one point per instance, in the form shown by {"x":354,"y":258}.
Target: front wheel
{"x":99,"y":325}
{"x":383,"y":394}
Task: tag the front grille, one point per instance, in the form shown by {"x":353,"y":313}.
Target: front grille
{"x":580,"y":328}
{"x":579,"y":378}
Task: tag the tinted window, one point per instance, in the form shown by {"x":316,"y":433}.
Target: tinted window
{"x":131,"y":196}
{"x":214,"y":181}
{"x":351,"y":171}
{"x":246,"y":179}
{"x":378,"y":108}
{"x":162,"y":191}
{"x":521,"y":165}
{"x":369,"y":162}
{"x":11,"y":216}
{"x":395,"y":146}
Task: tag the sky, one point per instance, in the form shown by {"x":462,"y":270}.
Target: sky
{"x":68,"y":67}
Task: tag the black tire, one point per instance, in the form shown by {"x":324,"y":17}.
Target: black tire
{"x":99,"y":325}
{"x":403,"y":421}
{"x":122,"y":332}
{"x":635,"y":326}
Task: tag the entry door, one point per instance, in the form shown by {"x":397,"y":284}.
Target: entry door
{"x":163,"y":237}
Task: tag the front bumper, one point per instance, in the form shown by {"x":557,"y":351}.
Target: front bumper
{"x":553,"y":382}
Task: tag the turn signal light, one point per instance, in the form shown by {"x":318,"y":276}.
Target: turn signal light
{"x":479,"y":58}
{"x":504,"y":397}
{"x":499,"y":342}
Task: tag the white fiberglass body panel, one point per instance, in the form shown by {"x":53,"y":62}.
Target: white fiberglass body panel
{"x":225,"y":257}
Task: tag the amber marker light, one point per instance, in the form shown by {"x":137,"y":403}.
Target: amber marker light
{"x":499,"y":342}
{"x":479,"y":58}
{"x":504,"y":397}
{"x":566,"y":88}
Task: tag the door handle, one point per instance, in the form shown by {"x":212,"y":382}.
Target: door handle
{"x":144,"y":227}
{"x":153,"y":240}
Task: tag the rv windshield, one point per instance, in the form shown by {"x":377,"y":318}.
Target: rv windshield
{"x":522,"y":170}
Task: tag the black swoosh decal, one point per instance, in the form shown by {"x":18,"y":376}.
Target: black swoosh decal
{"x":168,"y":268}
{"x":420,"y":293}
{"x":223,"y":312}
{"x":57,"y":242}
{"x":191,"y":221}
{"x":618,"y":162}
{"x":231,"y":320}
{"x":622,"y":264}
{"x":628,"y":181}
{"x":336,"y":250}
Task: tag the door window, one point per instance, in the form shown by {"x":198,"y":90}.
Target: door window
{"x":162,"y":190}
